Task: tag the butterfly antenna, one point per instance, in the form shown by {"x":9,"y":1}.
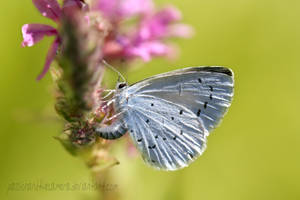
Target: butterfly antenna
{"x":115,"y":70}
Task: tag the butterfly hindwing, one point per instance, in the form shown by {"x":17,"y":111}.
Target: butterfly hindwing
{"x":167,"y":139}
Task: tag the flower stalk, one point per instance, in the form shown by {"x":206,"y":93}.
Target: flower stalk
{"x":87,"y":33}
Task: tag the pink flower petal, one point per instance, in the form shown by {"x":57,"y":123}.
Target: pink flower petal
{"x":168,"y":15}
{"x":112,"y":48}
{"x":147,"y":50}
{"x":157,"y":26}
{"x":33,"y":33}
{"x":48,"y":8}
{"x":181,"y":30}
{"x":119,"y":9}
{"x":134,"y":7}
{"x":50,"y":57}
{"x":107,"y":7}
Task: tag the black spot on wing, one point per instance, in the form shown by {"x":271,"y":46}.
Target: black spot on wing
{"x":152,"y":147}
{"x":139,"y":140}
{"x":198,"y":112}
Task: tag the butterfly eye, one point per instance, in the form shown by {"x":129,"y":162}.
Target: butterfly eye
{"x":121,"y":85}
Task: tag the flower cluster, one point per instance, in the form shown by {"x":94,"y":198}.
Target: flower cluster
{"x":137,"y":29}
{"x":145,"y":38}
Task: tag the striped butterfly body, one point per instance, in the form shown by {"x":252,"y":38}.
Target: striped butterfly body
{"x":169,"y":116}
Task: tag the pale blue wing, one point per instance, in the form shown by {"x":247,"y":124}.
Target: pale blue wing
{"x":170,"y":115}
{"x":167,"y":139}
{"x":206,"y":91}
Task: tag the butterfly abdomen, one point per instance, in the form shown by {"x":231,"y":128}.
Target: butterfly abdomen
{"x":116,"y":130}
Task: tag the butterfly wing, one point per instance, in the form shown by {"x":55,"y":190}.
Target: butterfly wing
{"x":170,"y":115}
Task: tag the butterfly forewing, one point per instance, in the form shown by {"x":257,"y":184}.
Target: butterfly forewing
{"x":170,"y":115}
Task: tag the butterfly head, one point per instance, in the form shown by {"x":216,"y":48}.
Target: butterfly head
{"x":121,"y":86}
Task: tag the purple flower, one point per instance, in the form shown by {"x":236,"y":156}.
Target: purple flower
{"x":148,"y":40}
{"x":33,"y":33}
{"x":145,"y":39}
{"x":142,"y":38}
{"x":116,"y":10}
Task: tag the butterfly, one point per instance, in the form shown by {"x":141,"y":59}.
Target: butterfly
{"x":170,"y":115}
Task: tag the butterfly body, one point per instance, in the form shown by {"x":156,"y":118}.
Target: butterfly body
{"x":170,"y":115}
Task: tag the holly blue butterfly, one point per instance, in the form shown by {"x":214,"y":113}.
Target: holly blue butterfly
{"x":170,"y":115}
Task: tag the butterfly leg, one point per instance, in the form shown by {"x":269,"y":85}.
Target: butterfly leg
{"x":108,"y":94}
{"x":114,"y":116}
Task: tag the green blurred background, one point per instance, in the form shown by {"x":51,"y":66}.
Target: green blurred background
{"x":254,"y":154}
